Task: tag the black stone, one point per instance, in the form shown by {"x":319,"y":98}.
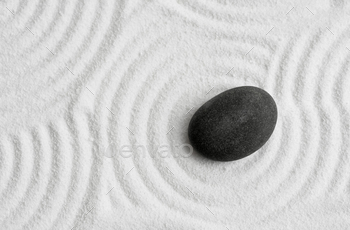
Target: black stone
{"x":233,"y":124}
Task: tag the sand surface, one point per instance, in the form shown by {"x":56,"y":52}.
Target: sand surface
{"x":80,"y":79}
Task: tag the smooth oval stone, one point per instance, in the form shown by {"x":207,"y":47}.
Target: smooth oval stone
{"x":233,"y":124}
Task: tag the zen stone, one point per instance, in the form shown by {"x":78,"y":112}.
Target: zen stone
{"x":233,"y":124}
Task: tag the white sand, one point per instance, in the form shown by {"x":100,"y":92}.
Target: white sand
{"x":77,"y":76}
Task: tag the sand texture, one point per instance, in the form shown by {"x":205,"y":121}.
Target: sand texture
{"x":78,"y":79}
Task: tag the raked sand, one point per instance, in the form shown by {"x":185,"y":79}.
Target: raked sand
{"x":79,"y":79}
